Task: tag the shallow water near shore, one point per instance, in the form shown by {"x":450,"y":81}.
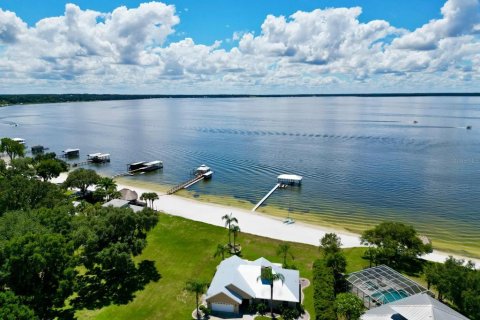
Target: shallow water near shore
{"x":363,"y":160}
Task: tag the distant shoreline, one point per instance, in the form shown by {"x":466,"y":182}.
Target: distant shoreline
{"x":20,"y":99}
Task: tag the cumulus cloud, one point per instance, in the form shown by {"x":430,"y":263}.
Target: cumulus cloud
{"x":11,"y":27}
{"x":460,"y":17}
{"x":317,"y":51}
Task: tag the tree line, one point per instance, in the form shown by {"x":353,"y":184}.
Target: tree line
{"x":56,"y":258}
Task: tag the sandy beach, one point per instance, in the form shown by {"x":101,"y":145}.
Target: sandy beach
{"x":256,"y":223}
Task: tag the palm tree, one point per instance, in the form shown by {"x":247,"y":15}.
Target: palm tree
{"x":235,"y":229}
{"x":150,"y":197}
{"x":229,"y":219}
{"x":197,"y":287}
{"x":109,"y":186}
{"x":283,"y":250}
{"x":221,"y":249}
{"x":269,"y":277}
{"x":106,"y":183}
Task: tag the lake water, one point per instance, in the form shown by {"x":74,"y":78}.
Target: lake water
{"x":363,"y":159}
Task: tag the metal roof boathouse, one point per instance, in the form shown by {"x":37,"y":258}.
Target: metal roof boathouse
{"x":289,"y":179}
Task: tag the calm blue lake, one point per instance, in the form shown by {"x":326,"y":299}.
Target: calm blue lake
{"x":363,"y":159}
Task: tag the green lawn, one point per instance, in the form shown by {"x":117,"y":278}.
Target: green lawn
{"x":183,"y":250}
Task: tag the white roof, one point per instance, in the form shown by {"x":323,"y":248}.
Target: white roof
{"x":18,"y":140}
{"x":137,"y":163}
{"x":70,"y":150}
{"x":203,"y":168}
{"x":117,"y":203}
{"x":151,"y":163}
{"x":417,"y":307}
{"x":136,"y":208}
{"x":98,"y":154}
{"x":290,"y":177}
{"x":235,"y":272}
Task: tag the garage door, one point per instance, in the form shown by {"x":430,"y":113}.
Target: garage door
{"x":220,"y":307}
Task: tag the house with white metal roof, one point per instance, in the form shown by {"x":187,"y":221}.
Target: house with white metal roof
{"x":236,"y":284}
{"x":417,"y":307}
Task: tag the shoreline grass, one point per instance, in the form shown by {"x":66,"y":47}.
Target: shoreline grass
{"x":326,"y":220}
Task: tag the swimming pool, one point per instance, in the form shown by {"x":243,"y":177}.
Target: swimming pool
{"x":390,"y":295}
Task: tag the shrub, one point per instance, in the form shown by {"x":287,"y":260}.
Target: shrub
{"x":323,"y":291}
{"x":262,"y":308}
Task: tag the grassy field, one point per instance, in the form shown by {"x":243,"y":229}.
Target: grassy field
{"x":183,"y":250}
{"x":443,"y":239}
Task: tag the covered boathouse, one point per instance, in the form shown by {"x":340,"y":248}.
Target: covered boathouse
{"x":289,"y":179}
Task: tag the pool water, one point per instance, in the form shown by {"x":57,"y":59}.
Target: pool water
{"x":390,"y":295}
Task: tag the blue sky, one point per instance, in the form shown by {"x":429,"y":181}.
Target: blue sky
{"x":208,"y":20}
{"x":243,"y":46}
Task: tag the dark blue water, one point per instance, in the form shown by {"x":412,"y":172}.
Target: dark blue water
{"x":363,"y":159}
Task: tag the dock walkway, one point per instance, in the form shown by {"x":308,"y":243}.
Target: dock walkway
{"x":186,"y":184}
{"x":266,"y":197}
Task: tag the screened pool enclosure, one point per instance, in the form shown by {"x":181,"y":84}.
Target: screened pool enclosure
{"x":381,"y":285}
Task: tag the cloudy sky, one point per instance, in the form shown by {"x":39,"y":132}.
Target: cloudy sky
{"x":232,"y":46}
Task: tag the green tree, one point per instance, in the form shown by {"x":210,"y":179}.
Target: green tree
{"x":395,"y":244}
{"x":22,"y":193}
{"x":471,"y":296}
{"x":323,"y":291}
{"x":267,"y":276}
{"x":49,"y":168}
{"x":12,"y":308}
{"x":334,"y":258}
{"x":235,"y":231}
{"x":109,"y":239}
{"x":82,"y":179}
{"x":338,"y":263}
{"x":198,"y":288}
{"x":107,"y":188}
{"x":39,"y":266}
{"x":12,"y":148}
{"x":22,"y":166}
{"x":220,"y":251}
{"x":349,"y":306}
{"x":330,"y":243}
{"x":283,"y":250}
{"x":229,"y":220}
{"x":150,"y":197}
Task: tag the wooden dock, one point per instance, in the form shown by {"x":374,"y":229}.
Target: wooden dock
{"x":79,"y":164}
{"x":186,"y":184}
{"x":123,"y":174}
{"x":266,"y":197}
